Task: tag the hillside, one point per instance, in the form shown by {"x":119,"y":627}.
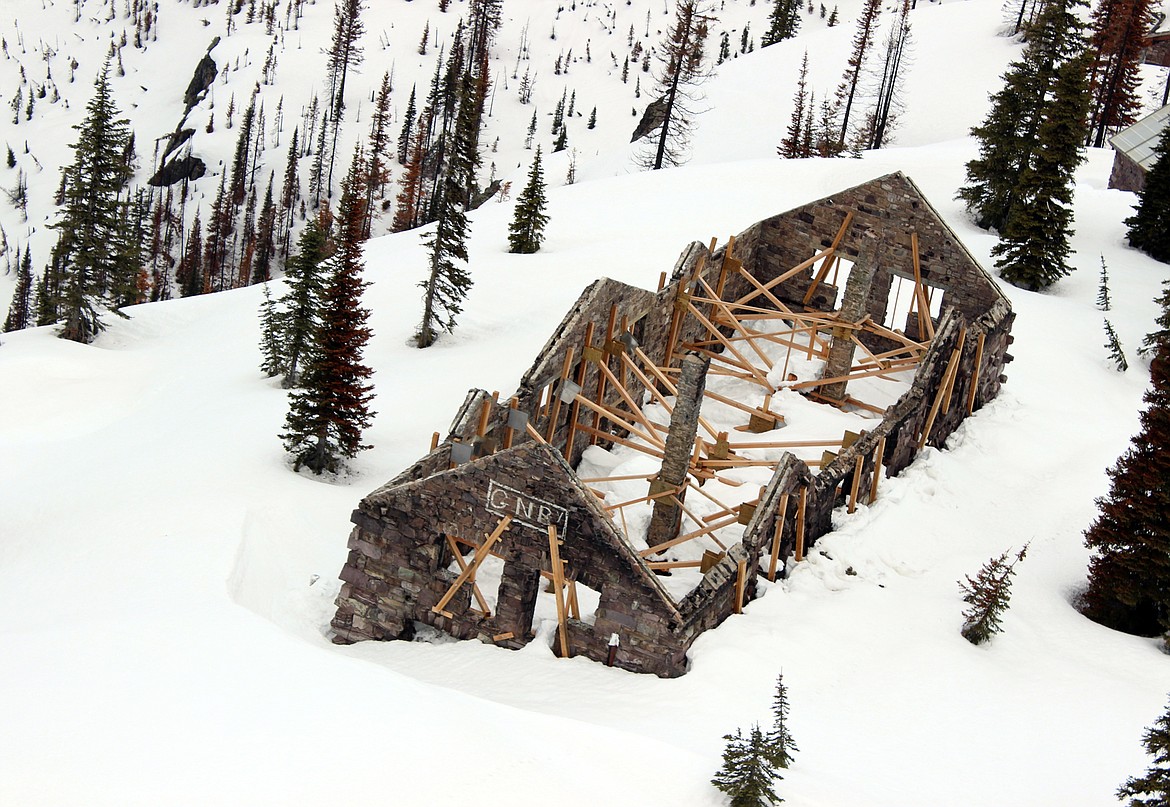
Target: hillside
{"x":166,"y":581}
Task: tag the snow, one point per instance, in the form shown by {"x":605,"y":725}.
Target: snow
{"x":166,"y":582}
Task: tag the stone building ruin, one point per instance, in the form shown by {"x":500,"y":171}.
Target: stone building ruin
{"x":663,"y":450}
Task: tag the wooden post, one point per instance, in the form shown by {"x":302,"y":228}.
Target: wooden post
{"x":740,"y":585}
{"x":558,"y":573}
{"x":482,"y":552}
{"x":952,"y":365}
{"x":975,"y":375}
{"x":878,"y":457}
{"x":777,"y":534}
{"x":555,"y":394}
{"x":925,"y":323}
{"x":575,"y":409}
{"x":800,"y":524}
{"x":857,"y":465}
{"x":946,"y":404}
{"x":434,"y":440}
{"x":509,"y":432}
{"x":485,"y":414}
{"x":830,"y":259}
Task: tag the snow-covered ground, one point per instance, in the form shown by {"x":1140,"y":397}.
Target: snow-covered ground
{"x":166,"y":582}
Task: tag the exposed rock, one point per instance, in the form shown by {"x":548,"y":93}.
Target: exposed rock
{"x":652,"y":119}
{"x":205,"y":73}
{"x":187,"y":167}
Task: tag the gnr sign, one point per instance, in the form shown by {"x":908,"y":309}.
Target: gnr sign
{"x":533,"y":513}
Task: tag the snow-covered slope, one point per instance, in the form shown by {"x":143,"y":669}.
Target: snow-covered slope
{"x":166,"y":582}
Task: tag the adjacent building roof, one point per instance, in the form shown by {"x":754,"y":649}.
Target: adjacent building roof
{"x":1138,"y":141}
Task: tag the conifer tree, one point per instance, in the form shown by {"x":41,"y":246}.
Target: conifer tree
{"x":592,"y":124}
{"x":1008,"y":137}
{"x":1035,"y":246}
{"x":681,"y":69}
{"x":300,"y":305}
{"x":344,"y":53}
{"x":265,"y":238}
{"x":1104,"y":301}
{"x":1117,"y":42}
{"x":406,"y":136}
{"x":1149,"y":226}
{"x":1129,"y":572}
{"x":290,"y":193}
{"x":1159,"y":338}
{"x":987,"y":597}
{"x":793,"y":146}
{"x":1156,"y":781}
{"x":327,"y":417}
{"x":376,"y":174}
{"x":780,"y":744}
{"x":1113,"y":345}
{"x":783,"y":22}
{"x":20,"y":310}
{"x":448,"y":281}
{"x":746,"y":774}
{"x":85,"y":269}
{"x":271,"y":361}
{"x":527,"y":228}
{"x":189,"y":273}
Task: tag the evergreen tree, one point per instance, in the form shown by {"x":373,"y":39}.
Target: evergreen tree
{"x":290,"y":193}
{"x":1008,"y":137}
{"x":271,"y":361}
{"x":1149,"y":226}
{"x":746,"y":774}
{"x":1113,"y":345}
{"x":783,"y":22}
{"x":592,"y":124}
{"x":1035,"y":245}
{"x":1156,"y":782}
{"x":1117,"y":42}
{"x":189,"y":273}
{"x":265,"y":238}
{"x":376,"y":173}
{"x":85,"y":269}
{"x":1159,"y":338}
{"x":448,"y":281}
{"x":987,"y":597}
{"x":20,"y":310}
{"x":1104,"y":301}
{"x":326,"y":418}
{"x":780,"y":744}
{"x":681,"y":69}
{"x":527,"y":228}
{"x":406,"y":136}
{"x":1129,"y":573}
{"x":793,"y":146}
{"x":300,"y":305}
{"x":46,"y":301}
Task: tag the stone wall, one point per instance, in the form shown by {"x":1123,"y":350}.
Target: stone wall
{"x":1126,"y":175}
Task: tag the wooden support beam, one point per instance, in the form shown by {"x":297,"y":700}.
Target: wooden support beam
{"x":718,"y":525}
{"x":728,"y":263}
{"x":878,"y":456}
{"x":434,"y":440}
{"x":635,"y":408}
{"x":776,"y":281}
{"x":566,"y":366}
{"x":729,"y":346}
{"x":648,"y":497}
{"x":575,"y":409}
{"x":716,"y":303}
{"x":975,"y":375}
{"x":602,"y":377}
{"x":786,"y":444}
{"x":857,"y":466}
{"x":925,"y":324}
{"x":479,"y":598}
{"x":800,"y":523}
{"x":740,"y":584}
{"x":666,"y":383}
{"x":829,"y":259}
{"x":509,"y":432}
{"x":593,"y":480}
{"x":480,"y":553}
{"x":946,"y":404}
{"x":594,"y":432}
{"x":777,"y":535}
{"x":952,"y":366}
{"x":613,"y":438}
{"x":573,"y":605}
{"x":558,"y":572}
{"x":853,"y":374}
